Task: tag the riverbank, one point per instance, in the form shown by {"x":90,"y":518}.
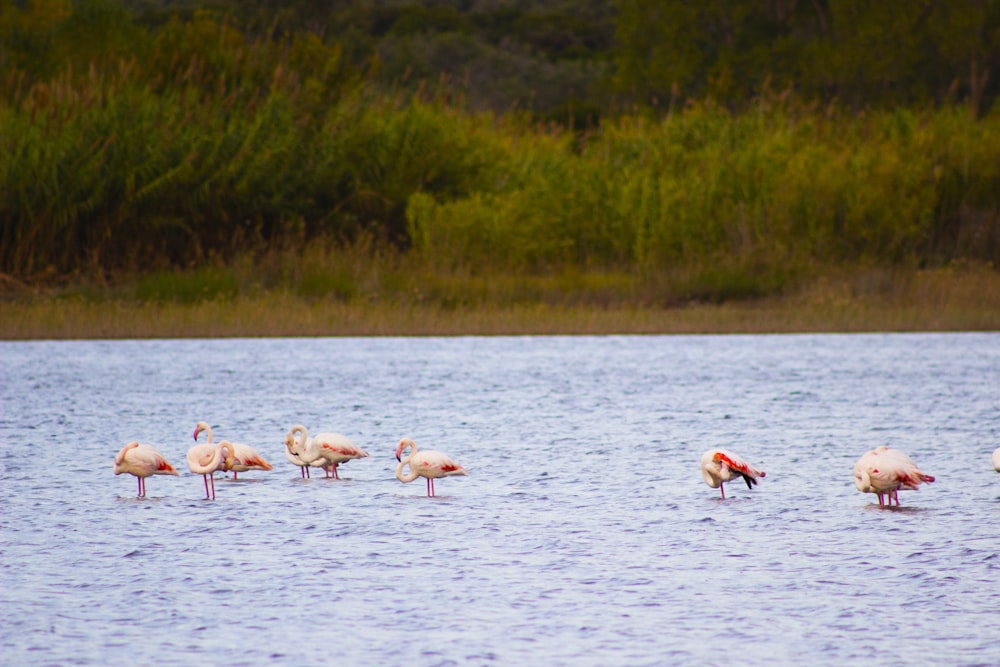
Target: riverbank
{"x":951,"y":299}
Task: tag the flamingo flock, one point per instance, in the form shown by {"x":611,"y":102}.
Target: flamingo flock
{"x":322,"y":450}
{"x":883,"y":471}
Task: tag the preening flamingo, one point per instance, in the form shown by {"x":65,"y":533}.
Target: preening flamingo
{"x":883,"y":471}
{"x":719,"y":466}
{"x":327,"y":450}
{"x":996,"y":459}
{"x":294,"y":459}
{"x":142,"y":461}
{"x":206,"y":458}
{"x":428,"y":463}
{"x":244,"y":457}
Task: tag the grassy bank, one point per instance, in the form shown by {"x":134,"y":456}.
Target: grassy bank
{"x":950,"y":299}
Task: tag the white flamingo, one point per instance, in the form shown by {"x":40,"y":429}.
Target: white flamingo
{"x":327,"y":450}
{"x":719,"y":466}
{"x":996,"y":459}
{"x":427,"y":463}
{"x":244,"y":457}
{"x":883,"y":471}
{"x":206,"y":458}
{"x":142,"y":461}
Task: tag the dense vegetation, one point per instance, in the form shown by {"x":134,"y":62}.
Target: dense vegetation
{"x":704,"y":149}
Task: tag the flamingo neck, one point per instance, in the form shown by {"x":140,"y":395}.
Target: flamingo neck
{"x":202,"y":426}
{"x":404,"y":461}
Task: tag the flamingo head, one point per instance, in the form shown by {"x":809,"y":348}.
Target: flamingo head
{"x":862,"y":480}
{"x":403,"y":444}
{"x":230,"y":459}
{"x":201,"y":426}
{"x":290,"y":443}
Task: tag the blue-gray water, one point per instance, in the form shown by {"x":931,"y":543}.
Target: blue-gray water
{"x":583,"y":534}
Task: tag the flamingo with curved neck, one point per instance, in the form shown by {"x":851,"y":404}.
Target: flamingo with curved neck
{"x":327,"y":450}
{"x":244,"y":457}
{"x":719,"y":466}
{"x":142,"y":461}
{"x":206,"y":458}
{"x":428,"y":463}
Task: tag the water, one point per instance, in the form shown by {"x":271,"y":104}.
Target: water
{"x":584,"y":534}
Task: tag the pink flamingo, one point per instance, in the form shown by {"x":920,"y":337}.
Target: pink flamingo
{"x":428,"y":463}
{"x":294,"y":459}
{"x":719,"y":466}
{"x":142,"y":461}
{"x":883,"y":471}
{"x":244,"y":457}
{"x":206,"y":458}
{"x":327,"y":450}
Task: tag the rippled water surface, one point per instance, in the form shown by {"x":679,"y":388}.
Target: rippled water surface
{"x":583,"y":534}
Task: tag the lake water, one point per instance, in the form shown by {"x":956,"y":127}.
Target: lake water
{"x":583,"y":535}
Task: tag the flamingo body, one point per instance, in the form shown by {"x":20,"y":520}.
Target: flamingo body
{"x":427,"y":463}
{"x":719,"y":466}
{"x":142,"y":461}
{"x":996,"y":459}
{"x":883,"y":471}
{"x":326,"y":450}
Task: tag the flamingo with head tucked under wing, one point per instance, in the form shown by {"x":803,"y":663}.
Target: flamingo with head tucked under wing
{"x":719,"y":466}
{"x":142,"y":461}
{"x":426,"y":463}
{"x":205,"y":459}
{"x":884,"y":471}
{"x":326,"y":450}
{"x":244,"y":457}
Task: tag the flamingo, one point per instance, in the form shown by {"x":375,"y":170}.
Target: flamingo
{"x":206,"y":458}
{"x":328,"y":450}
{"x":883,"y":471}
{"x":142,"y":461}
{"x":294,"y":459}
{"x":428,"y":463}
{"x":719,"y":466}
{"x":996,"y":459}
{"x":244,"y":457}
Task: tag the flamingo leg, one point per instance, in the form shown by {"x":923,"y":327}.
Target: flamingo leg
{"x":722,"y":487}
{"x":205,"y":479}
{"x":140,"y":486}
{"x":212,"y":476}
{"x":236,"y":475}
{"x":333,"y":469}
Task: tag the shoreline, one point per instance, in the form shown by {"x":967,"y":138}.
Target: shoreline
{"x":929,"y":301}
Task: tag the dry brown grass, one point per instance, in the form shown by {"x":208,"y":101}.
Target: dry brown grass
{"x":951,"y":299}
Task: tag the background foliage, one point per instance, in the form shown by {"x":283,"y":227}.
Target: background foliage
{"x":723,"y":148}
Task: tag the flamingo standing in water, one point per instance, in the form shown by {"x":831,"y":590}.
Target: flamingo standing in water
{"x":244,"y":457}
{"x":883,"y":471}
{"x":142,"y":461}
{"x":719,"y":466}
{"x":206,"y":458}
{"x":294,"y":459}
{"x":328,"y":450}
{"x":428,"y":463}
{"x":996,"y":459}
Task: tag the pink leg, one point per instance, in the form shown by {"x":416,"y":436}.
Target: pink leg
{"x":236,"y":475}
{"x":722,"y":487}
{"x":212,"y":477}
{"x":205,"y":478}
{"x":333,"y":469}
{"x":140,"y":486}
